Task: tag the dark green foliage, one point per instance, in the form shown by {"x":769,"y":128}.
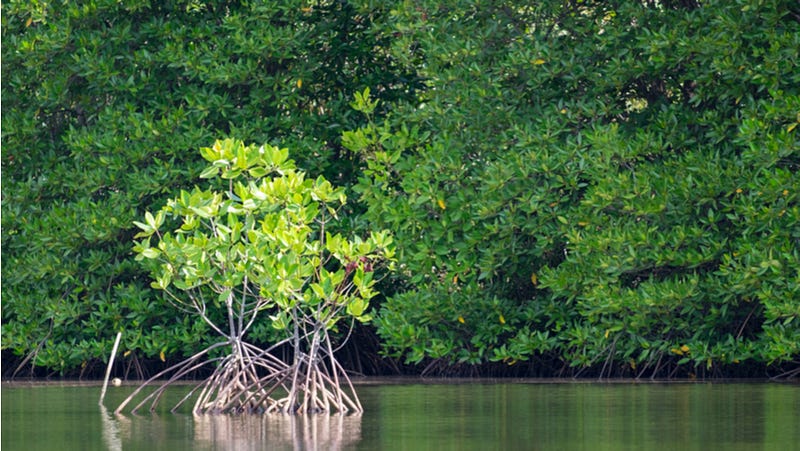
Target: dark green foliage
{"x":612,"y":183}
{"x":105,"y":104}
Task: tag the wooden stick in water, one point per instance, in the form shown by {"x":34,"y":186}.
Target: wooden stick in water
{"x":110,"y":364}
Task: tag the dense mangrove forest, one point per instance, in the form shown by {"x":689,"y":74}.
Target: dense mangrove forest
{"x":577,"y":188}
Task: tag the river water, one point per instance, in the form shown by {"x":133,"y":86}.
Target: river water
{"x":420,"y":415}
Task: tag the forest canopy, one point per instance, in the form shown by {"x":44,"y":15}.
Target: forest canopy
{"x":574,"y":188}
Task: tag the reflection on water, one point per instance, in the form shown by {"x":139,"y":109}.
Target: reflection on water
{"x":253,"y":432}
{"x":585,"y":417}
{"x":110,"y":430}
{"x":463,"y":417}
{"x":240,"y":432}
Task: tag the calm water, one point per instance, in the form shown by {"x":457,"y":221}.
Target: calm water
{"x":472,"y":416}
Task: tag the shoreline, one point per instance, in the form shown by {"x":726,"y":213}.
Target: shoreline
{"x":416,"y":380}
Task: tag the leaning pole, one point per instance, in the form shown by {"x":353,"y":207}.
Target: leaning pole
{"x":108,"y":369}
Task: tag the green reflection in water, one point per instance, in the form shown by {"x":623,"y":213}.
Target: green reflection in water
{"x":439,"y":417}
{"x":587,"y":417}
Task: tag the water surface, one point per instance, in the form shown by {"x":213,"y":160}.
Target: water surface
{"x":420,"y":416}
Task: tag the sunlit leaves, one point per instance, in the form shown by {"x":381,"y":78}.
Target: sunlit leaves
{"x":259,"y":246}
{"x":357,"y":307}
{"x":230,"y":157}
{"x":363,"y":102}
{"x":280,"y":321}
{"x":151,"y":224}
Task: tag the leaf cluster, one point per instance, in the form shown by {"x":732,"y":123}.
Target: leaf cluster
{"x":263,"y":245}
{"x":607,"y":185}
{"x":617,"y":181}
{"x":105,"y":104}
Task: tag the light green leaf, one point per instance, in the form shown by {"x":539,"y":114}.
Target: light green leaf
{"x":356,"y":307}
{"x":209,"y":172}
{"x":151,"y":252}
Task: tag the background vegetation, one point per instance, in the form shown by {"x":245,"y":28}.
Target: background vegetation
{"x":575,"y":188}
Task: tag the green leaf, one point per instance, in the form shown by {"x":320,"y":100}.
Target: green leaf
{"x":280,"y":321}
{"x":209,"y":172}
{"x":258,"y":172}
{"x":356,"y":307}
{"x":150,"y":253}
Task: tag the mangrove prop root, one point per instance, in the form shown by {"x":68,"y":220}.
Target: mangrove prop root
{"x":251,"y":380}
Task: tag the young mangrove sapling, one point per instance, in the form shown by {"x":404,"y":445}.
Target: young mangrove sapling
{"x":261,"y":249}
